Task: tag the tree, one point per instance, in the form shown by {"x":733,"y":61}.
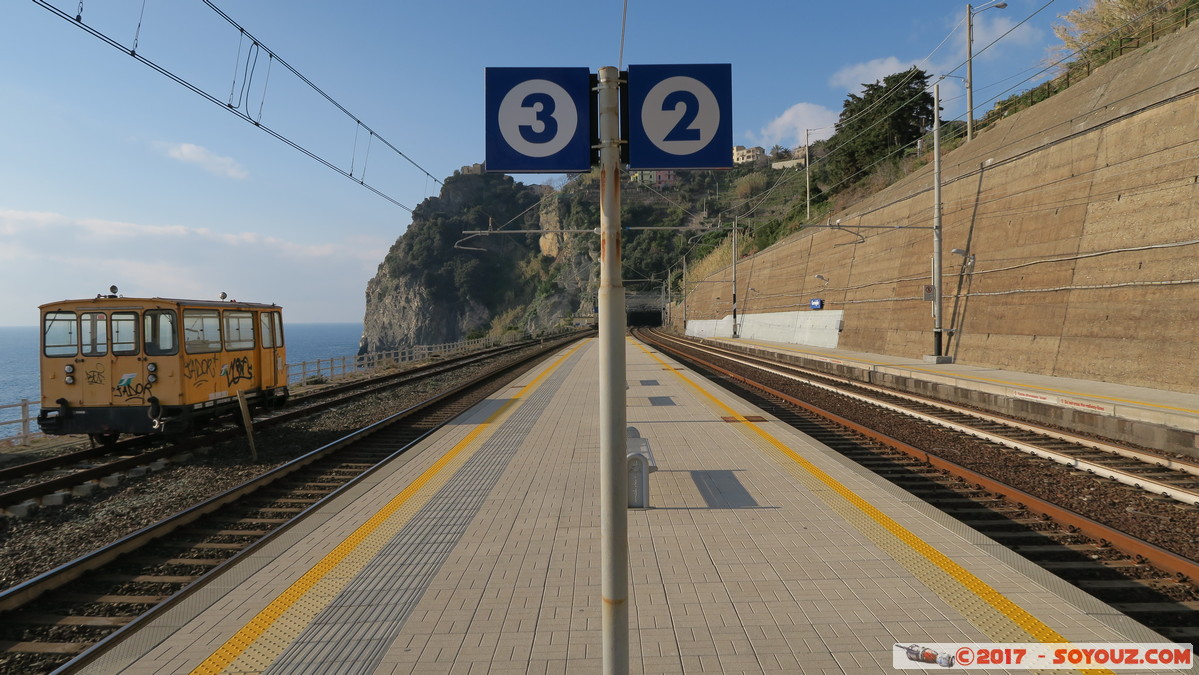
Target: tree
{"x":887,"y":116}
{"x":1086,"y":25}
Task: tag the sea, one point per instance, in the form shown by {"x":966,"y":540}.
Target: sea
{"x":19,"y":359}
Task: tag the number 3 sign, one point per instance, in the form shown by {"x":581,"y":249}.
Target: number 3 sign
{"x":538,"y":120}
{"x":680,"y":117}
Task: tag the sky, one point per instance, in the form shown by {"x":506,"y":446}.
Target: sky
{"x":113,"y":173}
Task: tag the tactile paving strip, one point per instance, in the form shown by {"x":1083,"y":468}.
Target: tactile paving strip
{"x":984,"y":607}
{"x":353,"y":631}
{"x":274,"y":631}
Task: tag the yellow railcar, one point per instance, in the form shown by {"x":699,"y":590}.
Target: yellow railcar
{"x":112,"y":365}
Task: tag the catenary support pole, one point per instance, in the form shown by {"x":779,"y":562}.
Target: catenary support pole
{"x":807,"y":179}
{"x":734,"y":277}
{"x":614,"y":540}
{"x":936,"y":280}
{"x":969,"y":73}
{"x":685,"y":293}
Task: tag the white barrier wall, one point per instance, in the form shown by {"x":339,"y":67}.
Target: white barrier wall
{"x":816,"y":328}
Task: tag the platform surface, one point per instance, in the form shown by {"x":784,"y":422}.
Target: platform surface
{"x":763,"y":552}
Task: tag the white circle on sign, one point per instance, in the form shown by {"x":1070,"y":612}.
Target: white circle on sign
{"x":537,"y":118}
{"x":680,"y":115}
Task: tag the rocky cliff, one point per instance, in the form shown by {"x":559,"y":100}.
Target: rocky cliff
{"x":438,"y":285}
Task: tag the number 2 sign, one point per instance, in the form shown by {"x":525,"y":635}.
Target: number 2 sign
{"x":538,"y":120}
{"x":680,"y":117}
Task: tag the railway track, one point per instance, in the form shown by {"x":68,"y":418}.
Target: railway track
{"x":69,"y":614}
{"x":71,"y":473}
{"x":1127,"y":544}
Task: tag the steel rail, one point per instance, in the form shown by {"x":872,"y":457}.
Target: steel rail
{"x":1189,"y":497}
{"x":1174,"y":464}
{"x":360,"y":388}
{"x":1128,"y":544}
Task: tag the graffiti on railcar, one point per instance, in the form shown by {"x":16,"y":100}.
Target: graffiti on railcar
{"x":130,"y":391}
{"x":237,"y":370}
{"x":96,"y":376}
{"x":200,"y":369}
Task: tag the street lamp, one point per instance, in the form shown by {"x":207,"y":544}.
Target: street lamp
{"x":970,"y":12}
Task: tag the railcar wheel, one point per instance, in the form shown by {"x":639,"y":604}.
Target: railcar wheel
{"x":106,"y":439}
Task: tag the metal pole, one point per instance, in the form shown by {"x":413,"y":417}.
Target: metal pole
{"x":685,"y":293}
{"x":969,"y":73}
{"x":936,"y":280}
{"x":807,"y":170}
{"x":734,"y":277}
{"x":614,"y":539}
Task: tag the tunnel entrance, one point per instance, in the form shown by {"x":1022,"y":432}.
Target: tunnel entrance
{"x":644,"y":318}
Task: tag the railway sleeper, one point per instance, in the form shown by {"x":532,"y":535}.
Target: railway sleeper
{"x":59,"y":648}
{"x":1001,"y":523}
{"x":143,"y":579}
{"x":1067,"y":565}
{"x":64,"y":620}
{"x":1157,"y":585}
{"x":230,"y":533}
{"x":215,"y":545}
{"x":251,"y":521}
{"x":295,"y":500}
{"x":267,"y":507}
{"x":1185,"y":609}
{"x":1180,"y":633}
{"x":1029,"y":534}
{"x":82,"y":598}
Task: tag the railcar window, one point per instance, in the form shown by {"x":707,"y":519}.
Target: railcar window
{"x":161,"y":330}
{"x":59,"y":334}
{"x":266,"y":330}
{"x":124,"y":333}
{"x":93,"y":333}
{"x":278,"y":328}
{"x":202,"y":331}
{"x":239,"y":330}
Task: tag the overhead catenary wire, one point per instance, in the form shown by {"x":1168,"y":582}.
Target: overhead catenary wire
{"x":315,"y":88}
{"x":237,"y":109}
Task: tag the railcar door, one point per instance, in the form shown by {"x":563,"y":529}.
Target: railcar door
{"x":160,"y":348}
{"x":94,"y":365}
{"x":268,"y":351}
{"x":130,"y":386}
{"x":202,"y":380}
{"x":241,"y":369}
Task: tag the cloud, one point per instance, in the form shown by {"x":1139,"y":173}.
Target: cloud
{"x":852,"y":77}
{"x":787,"y":129}
{"x":79,"y":257}
{"x":994,"y":26}
{"x":205,"y":158}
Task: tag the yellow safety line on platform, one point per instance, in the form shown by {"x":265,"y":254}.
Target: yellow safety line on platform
{"x":1013,"y":612}
{"x":963,"y":376}
{"x":229,"y":652}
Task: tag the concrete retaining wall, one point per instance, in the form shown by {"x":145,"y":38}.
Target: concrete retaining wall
{"x":1080,"y":223}
{"x":818,"y":329}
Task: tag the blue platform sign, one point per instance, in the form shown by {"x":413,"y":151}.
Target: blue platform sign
{"x":538,"y":120}
{"x":681,"y":116}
